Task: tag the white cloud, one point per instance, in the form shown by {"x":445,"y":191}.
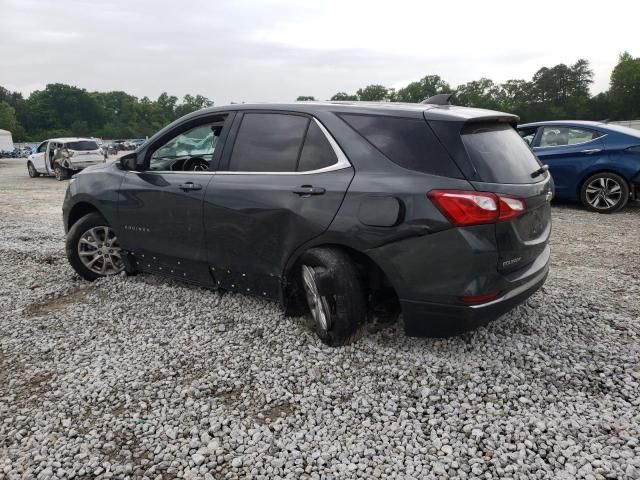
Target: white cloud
{"x":275,"y":50}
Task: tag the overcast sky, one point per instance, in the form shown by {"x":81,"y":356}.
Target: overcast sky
{"x":275,"y":50}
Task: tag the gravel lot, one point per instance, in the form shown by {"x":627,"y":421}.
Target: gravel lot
{"x":145,"y":378}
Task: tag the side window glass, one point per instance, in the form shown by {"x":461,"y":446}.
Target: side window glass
{"x":407,"y":142}
{"x":560,"y":136}
{"x":316,"y":151}
{"x":189,"y":151}
{"x":268,"y":142}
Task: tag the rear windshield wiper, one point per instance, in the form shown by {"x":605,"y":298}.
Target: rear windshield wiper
{"x":540,"y":171}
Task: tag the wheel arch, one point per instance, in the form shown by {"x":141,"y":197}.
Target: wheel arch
{"x":376,"y":277}
{"x":79,"y":210}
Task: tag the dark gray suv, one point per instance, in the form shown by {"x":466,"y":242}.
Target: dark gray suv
{"x":353,"y":211}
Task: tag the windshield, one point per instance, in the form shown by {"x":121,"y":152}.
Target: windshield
{"x":82,"y":145}
{"x":499,"y":154}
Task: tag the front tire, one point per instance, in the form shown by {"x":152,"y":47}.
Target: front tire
{"x":604,"y":192}
{"x":33,"y":173}
{"x":93,"y":249}
{"x":61,"y":173}
{"x":335,"y":295}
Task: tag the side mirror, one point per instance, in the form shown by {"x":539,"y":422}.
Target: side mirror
{"x":129,"y":162}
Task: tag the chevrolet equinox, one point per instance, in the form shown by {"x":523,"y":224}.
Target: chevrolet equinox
{"x":350,"y":211}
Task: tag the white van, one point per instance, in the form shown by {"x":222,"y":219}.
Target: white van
{"x":63,"y":157}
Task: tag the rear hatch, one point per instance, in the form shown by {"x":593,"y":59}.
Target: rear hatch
{"x":494,"y":158}
{"x":83,"y":153}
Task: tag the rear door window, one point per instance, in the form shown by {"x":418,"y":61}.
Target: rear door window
{"x":562,"y":136}
{"x":268,"y":142}
{"x":498,"y":154}
{"x":407,"y":142}
{"x":316,"y":152}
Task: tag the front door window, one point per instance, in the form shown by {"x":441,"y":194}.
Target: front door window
{"x":190,"y":151}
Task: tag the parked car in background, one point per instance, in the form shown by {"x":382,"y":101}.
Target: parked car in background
{"x":138,"y":142}
{"x":594,"y":162}
{"x":352,"y":211}
{"x":62,"y":157}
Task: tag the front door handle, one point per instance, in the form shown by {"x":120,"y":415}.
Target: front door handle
{"x":589,"y":151}
{"x":190,"y":186}
{"x":307,"y":190}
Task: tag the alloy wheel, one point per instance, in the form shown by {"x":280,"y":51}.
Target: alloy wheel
{"x":603,"y":193}
{"x":100,"y":252}
{"x":318,"y":304}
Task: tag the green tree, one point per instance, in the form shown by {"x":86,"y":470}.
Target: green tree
{"x":305,"y":98}
{"x":192,"y":104}
{"x":424,"y":88}
{"x":57,"y":107}
{"x":624,"y":93}
{"x":7,"y":117}
{"x":373,"y":93}
{"x":481,"y":93}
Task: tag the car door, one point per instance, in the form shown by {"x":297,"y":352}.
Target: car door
{"x":37,"y":158}
{"x":281,"y":182}
{"x":160,"y":208}
{"x":568,"y":151}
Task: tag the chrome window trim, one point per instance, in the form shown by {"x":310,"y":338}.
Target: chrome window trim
{"x":572,"y":144}
{"x":176,"y":171}
{"x":342,"y":162}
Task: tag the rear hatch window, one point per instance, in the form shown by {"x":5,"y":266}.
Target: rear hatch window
{"x":82,"y":145}
{"x":499,"y":154}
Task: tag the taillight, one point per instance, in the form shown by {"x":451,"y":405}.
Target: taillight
{"x":464,"y":208}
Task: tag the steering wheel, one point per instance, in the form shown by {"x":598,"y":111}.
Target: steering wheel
{"x":196,"y":164}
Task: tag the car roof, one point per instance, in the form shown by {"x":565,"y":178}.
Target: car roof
{"x":71,"y":139}
{"x":583,"y":123}
{"x":430,"y":111}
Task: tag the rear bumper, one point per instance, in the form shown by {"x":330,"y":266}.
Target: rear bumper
{"x":82,"y":165}
{"x":441,"y":320}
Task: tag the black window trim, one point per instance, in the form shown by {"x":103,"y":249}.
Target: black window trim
{"x":341,"y":163}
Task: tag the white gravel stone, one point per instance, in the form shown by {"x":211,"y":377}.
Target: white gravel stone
{"x":136,"y":377}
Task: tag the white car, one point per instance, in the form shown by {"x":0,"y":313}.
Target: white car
{"x":63,"y":157}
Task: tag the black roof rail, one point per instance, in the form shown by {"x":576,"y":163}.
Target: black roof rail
{"x":440,"y":99}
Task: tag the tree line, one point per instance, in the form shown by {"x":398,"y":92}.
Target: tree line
{"x":558,"y":92}
{"x":553,"y":93}
{"x":63,"y":110}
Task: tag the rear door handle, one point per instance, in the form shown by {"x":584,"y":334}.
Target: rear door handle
{"x":307,"y":190}
{"x":589,"y":151}
{"x":190,"y":186}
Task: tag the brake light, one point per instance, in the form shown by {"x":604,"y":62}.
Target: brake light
{"x":479,"y":298}
{"x":464,"y":208}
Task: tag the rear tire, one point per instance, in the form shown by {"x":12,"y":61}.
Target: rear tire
{"x":604,"y":192}
{"x":91,"y":239}
{"x":33,"y":173}
{"x":335,"y":295}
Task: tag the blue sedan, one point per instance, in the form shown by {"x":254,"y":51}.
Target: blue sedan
{"x":594,"y":162}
